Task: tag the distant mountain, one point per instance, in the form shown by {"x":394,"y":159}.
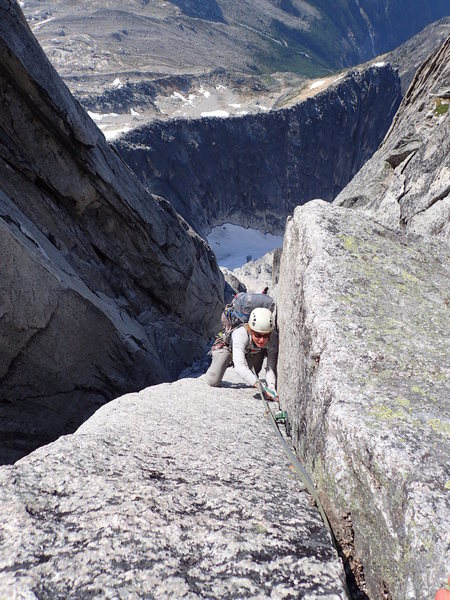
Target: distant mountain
{"x":93,"y":43}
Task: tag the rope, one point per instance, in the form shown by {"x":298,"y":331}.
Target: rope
{"x":299,"y":468}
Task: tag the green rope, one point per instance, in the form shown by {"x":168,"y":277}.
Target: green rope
{"x":298,"y":467}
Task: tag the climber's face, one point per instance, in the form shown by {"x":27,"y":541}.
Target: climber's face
{"x":260,"y":339}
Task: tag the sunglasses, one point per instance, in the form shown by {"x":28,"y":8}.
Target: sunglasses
{"x":261,"y":335}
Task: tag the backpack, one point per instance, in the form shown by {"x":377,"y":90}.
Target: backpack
{"x":238,"y":312}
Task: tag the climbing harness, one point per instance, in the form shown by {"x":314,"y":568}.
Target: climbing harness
{"x":276,"y":419}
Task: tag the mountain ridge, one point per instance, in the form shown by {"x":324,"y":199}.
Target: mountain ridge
{"x":95,"y":51}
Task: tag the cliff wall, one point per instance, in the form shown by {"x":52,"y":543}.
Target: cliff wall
{"x":406,"y":184}
{"x":99,"y":278}
{"x":253,"y":170}
{"x":364,"y":365}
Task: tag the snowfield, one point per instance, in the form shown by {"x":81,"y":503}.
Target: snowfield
{"x":234,"y":245}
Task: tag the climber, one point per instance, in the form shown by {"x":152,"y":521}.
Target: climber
{"x":249,"y":344}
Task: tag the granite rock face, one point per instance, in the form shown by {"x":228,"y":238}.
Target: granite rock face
{"x":406,"y":184}
{"x":253,"y":170}
{"x":253,"y":276}
{"x":257,"y":274}
{"x":100,"y":280}
{"x":136,"y":504}
{"x":364,"y":374}
{"x":232,"y":285}
{"x":364,"y":367}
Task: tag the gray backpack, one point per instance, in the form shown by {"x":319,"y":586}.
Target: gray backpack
{"x":238,"y":312}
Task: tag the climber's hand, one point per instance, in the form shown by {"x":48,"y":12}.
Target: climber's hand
{"x":270,"y":394}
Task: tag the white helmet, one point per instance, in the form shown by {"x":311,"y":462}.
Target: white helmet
{"x":261,"y":320}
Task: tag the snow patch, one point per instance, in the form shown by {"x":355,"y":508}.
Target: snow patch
{"x":99,"y":117}
{"x":379,"y":64}
{"x":117,"y":84}
{"x":43,"y":23}
{"x":234,"y":245}
{"x":179,"y":96}
{"x":235,"y":105}
{"x":215,"y":113}
{"x":205,"y":92}
{"x":134,"y":112}
{"x":220,"y":87}
{"x":317,"y":84}
{"x":95,"y":116}
{"x":114,"y":133}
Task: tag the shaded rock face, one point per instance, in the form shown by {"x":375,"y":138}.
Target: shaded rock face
{"x":232,"y":285}
{"x":406,"y":184}
{"x":255,"y":169}
{"x":100,"y":280}
{"x":179,"y":491}
{"x":364,"y":374}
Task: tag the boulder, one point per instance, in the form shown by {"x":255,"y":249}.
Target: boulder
{"x":257,"y":274}
{"x":232,"y":285}
{"x":364,"y":375}
{"x":406,"y":184}
{"x":105,"y":288}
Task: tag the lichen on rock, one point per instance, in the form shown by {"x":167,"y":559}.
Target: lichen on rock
{"x":364,"y":375}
